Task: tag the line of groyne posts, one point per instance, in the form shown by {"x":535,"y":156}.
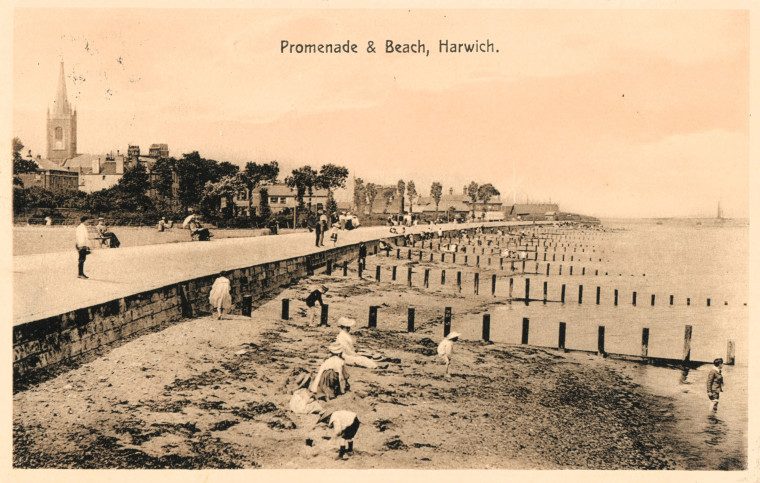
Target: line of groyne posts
{"x":467,"y":248}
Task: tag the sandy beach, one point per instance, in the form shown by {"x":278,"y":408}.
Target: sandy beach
{"x":204,"y":393}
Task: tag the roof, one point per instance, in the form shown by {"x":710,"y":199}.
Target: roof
{"x":531,"y":208}
{"x":48,"y":165}
{"x":285,"y":190}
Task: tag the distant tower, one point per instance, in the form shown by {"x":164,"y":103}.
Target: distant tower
{"x":61,"y":126}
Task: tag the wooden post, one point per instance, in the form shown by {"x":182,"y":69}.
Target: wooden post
{"x":443,"y":257}
{"x":583,"y":271}
{"x":560,"y":269}
{"x":527,"y":291}
{"x":600,"y":342}
{"x":453,"y":258}
{"x":409,"y":254}
{"x":580,"y":294}
{"x":501,"y":263}
{"x":409,"y":276}
{"x":671,"y":300}
{"x":634,"y":298}
{"x":477,"y":261}
{"x":285,"y":309}
{"x":377,"y":273}
{"x":431,"y":256}
{"x":523,"y":266}
{"x":476,"y":283}
{"x":410,"y":319}
{"x":546,"y":288}
{"x":465,"y":259}
{"x":443,"y":277}
{"x":547,"y":269}
{"x":398,"y":253}
{"x":459,"y":282}
{"x":446,"y":321}
{"x":511,"y":287}
{"x":688,"y":301}
{"x":372,"y":317}
{"x":562,"y":294}
{"x":598,"y":294}
{"x":644,"y":342}
{"x":544,"y":256}
{"x":345,"y":268}
{"x":730,"y":353}
{"x":562,"y":332}
{"x":493,"y":285}
{"x":596,"y":273}
{"x":247,"y":305}
{"x":616,"y":297}
{"x":652,"y":300}
{"x":571,"y":269}
{"x":486,"y":327}
{"x":687,"y":343}
{"x":427,"y":277}
{"x":525,"y":330}
{"x":323,"y":315}
{"x":708,"y":302}
{"x":420,"y":255}
{"x":393,"y":273}
{"x":328,"y":270}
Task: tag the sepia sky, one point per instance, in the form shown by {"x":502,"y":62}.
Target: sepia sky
{"x":608,"y":112}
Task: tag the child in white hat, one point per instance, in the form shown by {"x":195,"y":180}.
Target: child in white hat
{"x":446,"y":349}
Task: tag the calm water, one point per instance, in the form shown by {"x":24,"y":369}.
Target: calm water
{"x":679,"y":259}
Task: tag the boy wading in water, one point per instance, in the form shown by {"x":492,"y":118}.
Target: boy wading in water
{"x":715,"y":383}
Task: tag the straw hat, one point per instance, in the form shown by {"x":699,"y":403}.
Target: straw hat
{"x":346,"y":322}
{"x":453,"y":335}
{"x":324,"y":288}
{"x":335,"y":348}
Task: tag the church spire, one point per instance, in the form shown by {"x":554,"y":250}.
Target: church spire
{"x":62,"y":107}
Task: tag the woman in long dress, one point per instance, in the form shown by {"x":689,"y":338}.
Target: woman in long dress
{"x":220,"y":295}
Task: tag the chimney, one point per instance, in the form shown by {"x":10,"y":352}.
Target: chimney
{"x":119,"y":165}
{"x":96,"y":165}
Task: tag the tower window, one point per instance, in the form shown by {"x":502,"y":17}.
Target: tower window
{"x":59,"y":137}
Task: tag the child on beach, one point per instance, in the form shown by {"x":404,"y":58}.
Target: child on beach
{"x":220,"y":295}
{"x":345,"y":424}
{"x":446,"y":349}
{"x":311,"y":303}
{"x":332,"y":378}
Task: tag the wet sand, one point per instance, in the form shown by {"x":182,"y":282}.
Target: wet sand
{"x":204,"y":393}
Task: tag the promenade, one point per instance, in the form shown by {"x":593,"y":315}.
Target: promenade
{"x":46,"y":285}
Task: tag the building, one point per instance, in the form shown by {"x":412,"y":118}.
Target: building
{"x":281,"y":197}
{"x":61,"y":126}
{"x":532,"y":211}
{"x":50,"y":176}
{"x":97,"y":171}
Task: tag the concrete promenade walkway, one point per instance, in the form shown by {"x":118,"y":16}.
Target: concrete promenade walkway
{"x":47,"y":285}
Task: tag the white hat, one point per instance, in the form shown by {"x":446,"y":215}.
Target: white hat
{"x":453,"y":335}
{"x":335,"y":348}
{"x":346,"y":322}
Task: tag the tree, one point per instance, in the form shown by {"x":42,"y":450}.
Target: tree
{"x":302,"y":180}
{"x":331,"y":177}
{"x":435,"y":192}
{"x":135,"y":180}
{"x":21,"y":165}
{"x":220,"y":196}
{"x":411,"y":193}
{"x":225,"y":169}
{"x":486,"y":192}
{"x":360,"y":195}
{"x":472,"y":192}
{"x":264,"y":210}
{"x":255,"y":174}
{"x":193,"y":173}
{"x":371,"y":195}
{"x":162,"y":180}
{"x":401,"y":187}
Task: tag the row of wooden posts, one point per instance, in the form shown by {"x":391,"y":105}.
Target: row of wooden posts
{"x":526,"y":299}
{"x":525,"y":336}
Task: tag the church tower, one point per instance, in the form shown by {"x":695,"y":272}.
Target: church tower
{"x":61,"y":126}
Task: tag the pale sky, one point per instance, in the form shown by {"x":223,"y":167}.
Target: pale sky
{"x":609,"y":113}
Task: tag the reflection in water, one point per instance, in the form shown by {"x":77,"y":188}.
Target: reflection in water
{"x":715,"y":430}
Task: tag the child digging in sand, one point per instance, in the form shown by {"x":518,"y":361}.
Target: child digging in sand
{"x":446,"y":349}
{"x":220,"y":295}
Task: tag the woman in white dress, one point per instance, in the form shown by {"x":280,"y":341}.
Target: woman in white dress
{"x":220,"y":295}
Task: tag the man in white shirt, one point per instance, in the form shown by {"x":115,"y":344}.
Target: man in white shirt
{"x":83,"y":245}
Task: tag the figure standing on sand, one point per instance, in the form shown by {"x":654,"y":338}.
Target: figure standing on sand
{"x":715,"y":383}
{"x":83,"y":244}
{"x":345,"y":424}
{"x":363,"y":255}
{"x":311,"y":303}
{"x":219,"y":296}
{"x":446,"y":349}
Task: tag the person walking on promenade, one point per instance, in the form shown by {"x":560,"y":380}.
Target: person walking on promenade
{"x":363,"y":255}
{"x":318,"y":230}
{"x":311,"y":303}
{"x":332,"y":378}
{"x":715,"y":383}
{"x":219,"y":296}
{"x":446,"y":349}
{"x":324,"y":225}
{"x":83,"y":245}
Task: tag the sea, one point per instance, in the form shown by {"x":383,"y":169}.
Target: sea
{"x":690,"y":260}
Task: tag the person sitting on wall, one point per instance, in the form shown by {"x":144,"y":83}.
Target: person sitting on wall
{"x":103,"y":232}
